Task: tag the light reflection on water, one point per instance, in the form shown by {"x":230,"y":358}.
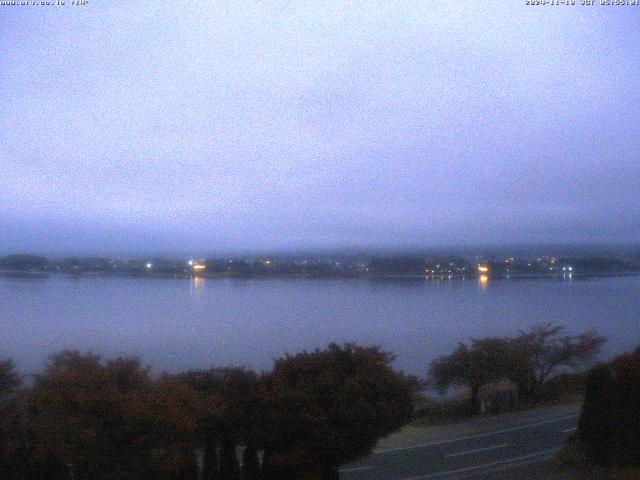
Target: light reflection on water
{"x":197,"y":323}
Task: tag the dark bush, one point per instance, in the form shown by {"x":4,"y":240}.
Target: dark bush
{"x":609,"y":427}
{"x":625,"y":409}
{"x":594,"y":427}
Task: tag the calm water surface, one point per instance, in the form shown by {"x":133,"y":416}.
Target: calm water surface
{"x":180,"y":324}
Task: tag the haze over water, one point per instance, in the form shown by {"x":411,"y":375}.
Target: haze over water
{"x":180,"y":324}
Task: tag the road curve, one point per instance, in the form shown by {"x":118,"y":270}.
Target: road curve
{"x":463,"y":456}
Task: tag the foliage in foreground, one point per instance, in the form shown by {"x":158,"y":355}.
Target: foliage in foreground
{"x":330,"y":407}
{"x":89,"y":419}
{"x":528,"y":360}
{"x":609,"y":428}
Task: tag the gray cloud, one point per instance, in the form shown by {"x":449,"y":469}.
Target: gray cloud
{"x":225,"y":126}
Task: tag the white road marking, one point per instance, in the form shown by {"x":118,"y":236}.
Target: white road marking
{"x":569,"y":430}
{"x":541,"y":454}
{"x":502,"y":445}
{"x":469,"y":437}
{"x":354,"y":469}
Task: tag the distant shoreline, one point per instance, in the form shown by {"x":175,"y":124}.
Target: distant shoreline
{"x":298,"y":276}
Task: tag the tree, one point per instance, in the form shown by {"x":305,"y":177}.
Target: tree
{"x":10,"y":380}
{"x":231,"y":413}
{"x":90,"y":416}
{"x":250,"y":463}
{"x":527,"y":360}
{"x":594,"y":425}
{"x":625,"y":409}
{"x":610,"y":418}
{"x":486,"y":361}
{"x":549,"y":350}
{"x":174,"y":412}
{"x":107,"y":420}
{"x":21,"y":262}
{"x":329,"y":407}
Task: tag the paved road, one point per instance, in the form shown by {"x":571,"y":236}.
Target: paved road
{"x":488,"y":451}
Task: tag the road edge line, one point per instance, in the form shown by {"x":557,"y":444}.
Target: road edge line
{"x":469,"y":437}
{"x":507,"y":461}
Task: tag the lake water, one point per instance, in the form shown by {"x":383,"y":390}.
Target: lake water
{"x":198,"y":323}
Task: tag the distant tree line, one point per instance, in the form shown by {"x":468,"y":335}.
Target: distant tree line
{"x":527,"y":360}
{"x":320,"y":267}
{"x":19,"y":262}
{"x":86,"y":418}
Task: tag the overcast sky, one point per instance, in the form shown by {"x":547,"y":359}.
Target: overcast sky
{"x":205,"y":126}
